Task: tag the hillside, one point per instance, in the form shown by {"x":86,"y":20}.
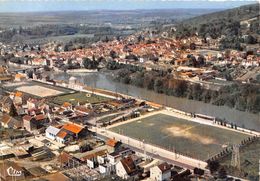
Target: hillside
{"x":232,"y":23}
{"x":41,"y":26}
{"x":237,"y":14}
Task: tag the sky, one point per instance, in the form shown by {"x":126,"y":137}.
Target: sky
{"x":78,"y":5}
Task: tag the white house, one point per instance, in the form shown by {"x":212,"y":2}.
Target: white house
{"x":126,"y":168}
{"x":114,"y":157}
{"x":106,"y":168}
{"x":51,"y":132}
{"x":101,"y":159}
{"x":161,"y":172}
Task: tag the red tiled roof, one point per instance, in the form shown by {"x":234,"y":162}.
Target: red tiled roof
{"x":40,"y":117}
{"x":27,"y":118}
{"x":6,"y":118}
{"x":72,"y":128}
{"x":62,"y":134}
{"x":66,"y":104}
{"x":83,"y":109}
{"x":18,"y":94}
{"x":164,"y":167}
{"x":129,"y":165}
{"x":64,"y":157}
{"x":111,"y":142}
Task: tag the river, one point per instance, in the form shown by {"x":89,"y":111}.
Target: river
{"x":105,"y":81}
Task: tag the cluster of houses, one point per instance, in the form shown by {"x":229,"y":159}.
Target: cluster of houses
{"x":114,"y":158}
{"x":53,"y":135}
{"x":151,"y":53}
{"x":111,"y":158}
{"x":64,"y":133}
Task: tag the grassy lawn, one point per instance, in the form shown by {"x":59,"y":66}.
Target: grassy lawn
{"x":249,"y":162}
{"x":79,"y":97}
{"x":190,"y":138}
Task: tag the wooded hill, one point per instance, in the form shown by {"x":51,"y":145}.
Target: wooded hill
{"x":232,"y":23}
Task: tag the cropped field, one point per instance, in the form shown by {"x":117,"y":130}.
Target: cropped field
{"x":79,"y":97}
{"x":186,"y":137}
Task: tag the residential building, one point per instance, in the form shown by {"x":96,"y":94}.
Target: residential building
{"x":161,"y":172}
{"x":51,"y":132}
{"x":9,"y":122}
{"x":116,"y":156}
{"x":126,"y":168}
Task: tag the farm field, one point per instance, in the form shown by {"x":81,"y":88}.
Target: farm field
{"x":186,"y":137}
{"x":79,"y":97}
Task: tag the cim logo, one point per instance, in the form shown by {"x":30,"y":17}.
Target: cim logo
{"x":14,"y":173}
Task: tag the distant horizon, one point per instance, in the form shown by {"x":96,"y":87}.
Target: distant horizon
{"x":34,"y":6}
{"x":110,"y":10}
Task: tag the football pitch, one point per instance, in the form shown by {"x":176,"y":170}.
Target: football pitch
{"x":186,"y":137}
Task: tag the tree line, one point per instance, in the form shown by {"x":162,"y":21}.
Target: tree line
{"x":224,"y":24}
{"x":243,"y":97}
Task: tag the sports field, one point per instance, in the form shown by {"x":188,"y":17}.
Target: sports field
{"x":190,"y":138}
{"x":37,"y":89}
{"x":79,"y":97}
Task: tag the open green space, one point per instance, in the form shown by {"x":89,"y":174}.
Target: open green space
{"x":186,"y":137}
{"x":79,"y":97}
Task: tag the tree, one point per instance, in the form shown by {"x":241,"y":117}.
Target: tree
{"x":249,"y":39}
{"x":213,"y":166}
{"x":197,"y":91}
{"x":158,"y":85}
{"x":241,"y":103}
{"x":13,"y":111}
{"x":113,"y":65}
{"x":198,"y":171}
{"x":89,"y":64}
{"x":66,"y":48}
{"x":180,"y":88}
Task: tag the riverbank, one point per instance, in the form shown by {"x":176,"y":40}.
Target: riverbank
{"x":104,"y":80}
{"x":116,"y":95}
